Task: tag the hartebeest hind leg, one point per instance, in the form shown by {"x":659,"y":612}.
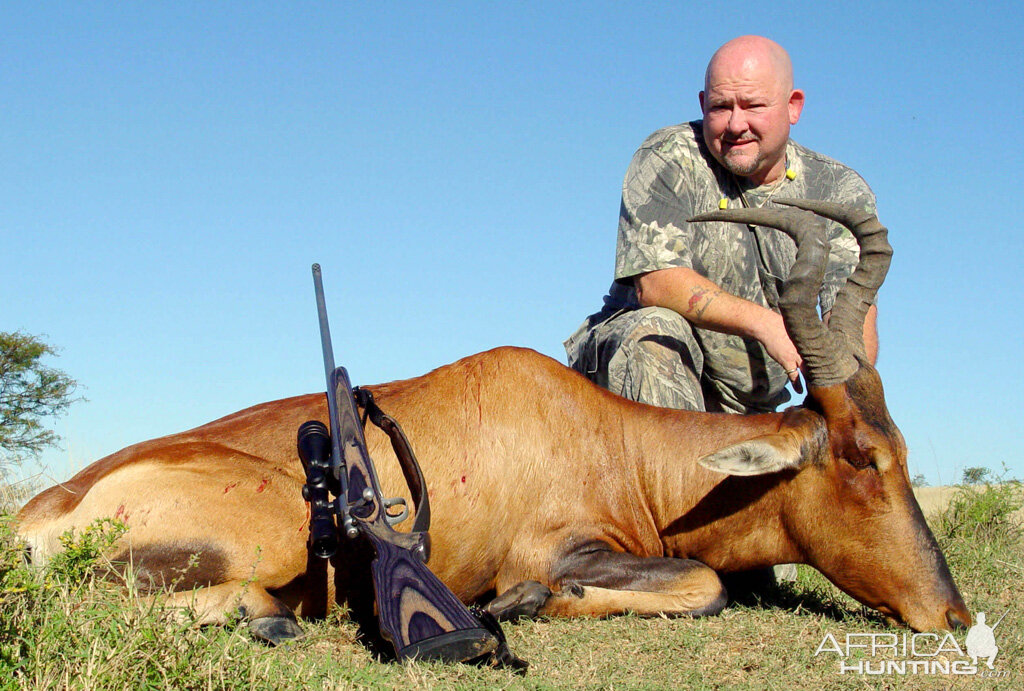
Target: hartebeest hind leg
{"x":596,"y":581}
{"x":221,"y":527}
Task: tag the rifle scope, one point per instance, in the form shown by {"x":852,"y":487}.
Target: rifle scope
{"x":314,"y":442}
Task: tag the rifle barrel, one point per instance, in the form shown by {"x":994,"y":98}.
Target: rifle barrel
{"x":332,"y":404}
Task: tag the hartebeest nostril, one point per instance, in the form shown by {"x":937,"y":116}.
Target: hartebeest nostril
{"x":958,"y":619}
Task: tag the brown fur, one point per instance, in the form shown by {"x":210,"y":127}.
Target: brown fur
{"x":534,"y":474}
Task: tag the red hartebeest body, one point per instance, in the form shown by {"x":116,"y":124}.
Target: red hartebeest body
{"x":512,"y":504}
{"x":552,"y":493}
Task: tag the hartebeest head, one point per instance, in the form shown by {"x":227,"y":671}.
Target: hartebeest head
{"x":852,"y":495}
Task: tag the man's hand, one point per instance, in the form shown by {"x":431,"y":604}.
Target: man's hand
{"x":775,"y":339}
{"x":704,"y":304}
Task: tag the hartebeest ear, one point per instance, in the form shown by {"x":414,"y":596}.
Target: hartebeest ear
{"x":799,"y":440}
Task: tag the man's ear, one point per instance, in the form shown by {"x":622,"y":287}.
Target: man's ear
{"x":700,"y":97}
{"x":796,"y":105}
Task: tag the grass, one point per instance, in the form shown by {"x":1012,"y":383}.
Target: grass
{"x":68,"y":626}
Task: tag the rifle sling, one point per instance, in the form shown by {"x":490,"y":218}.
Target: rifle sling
{"x":403,"y":450}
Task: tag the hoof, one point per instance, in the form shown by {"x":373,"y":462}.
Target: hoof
{"x":275,"y":630}
{"x":521,"y":600}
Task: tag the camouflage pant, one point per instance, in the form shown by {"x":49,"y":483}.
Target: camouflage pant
{"x":648,"y":355}
{"x":651,"y":355}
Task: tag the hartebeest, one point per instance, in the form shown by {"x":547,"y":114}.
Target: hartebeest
{"x":551,"y":493}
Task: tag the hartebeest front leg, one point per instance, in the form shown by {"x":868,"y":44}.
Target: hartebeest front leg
{"x":596,"y":581}
{"x":269,"y":618}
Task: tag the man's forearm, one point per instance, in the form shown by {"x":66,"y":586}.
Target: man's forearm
{"x":701,"y":302}
{"x":708,"y":306}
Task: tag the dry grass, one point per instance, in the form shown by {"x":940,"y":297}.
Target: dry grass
{"x":67,"y":629}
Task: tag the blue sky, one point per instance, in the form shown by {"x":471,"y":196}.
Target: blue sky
{"x":171,"y":170}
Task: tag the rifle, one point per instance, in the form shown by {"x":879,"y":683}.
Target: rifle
{"x":416,"y":612}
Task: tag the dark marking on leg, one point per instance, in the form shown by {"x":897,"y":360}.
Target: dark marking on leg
{"x":595,"y":564}
{"x":181,"y":566}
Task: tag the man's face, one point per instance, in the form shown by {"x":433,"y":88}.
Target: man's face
{"x":747,"y":114}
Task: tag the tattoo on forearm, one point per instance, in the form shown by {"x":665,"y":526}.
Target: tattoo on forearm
{"x":700,"y":299}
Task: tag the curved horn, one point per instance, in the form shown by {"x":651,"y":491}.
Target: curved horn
{"x":828,"y":360}
{"x":858,"y":294}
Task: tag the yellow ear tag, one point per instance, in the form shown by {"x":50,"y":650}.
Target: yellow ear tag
{"x":723,"y":203}
{"x":790,"y":173}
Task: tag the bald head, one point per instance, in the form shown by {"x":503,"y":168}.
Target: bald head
{"x":749,"y":104}
{"x":750,"y":54}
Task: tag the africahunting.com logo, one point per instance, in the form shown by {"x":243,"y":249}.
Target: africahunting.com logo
{"x":917,"y":653}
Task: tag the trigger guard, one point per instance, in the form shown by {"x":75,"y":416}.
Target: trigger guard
{"x":395,"y":501}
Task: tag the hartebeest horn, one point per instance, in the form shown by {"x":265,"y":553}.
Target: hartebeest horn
{"x":828,"y":359}
{"x":858,"y":294}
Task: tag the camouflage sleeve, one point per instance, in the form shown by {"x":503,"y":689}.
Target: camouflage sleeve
{"x":653,"y":232}
{"x":849,"y":188}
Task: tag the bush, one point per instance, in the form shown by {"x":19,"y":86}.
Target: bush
{"x":981,"y":535}
{"x":982,"y":513}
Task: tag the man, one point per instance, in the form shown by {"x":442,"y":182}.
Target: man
{"x":691,"y":320}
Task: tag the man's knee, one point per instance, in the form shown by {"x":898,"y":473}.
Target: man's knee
{"x":662,"y":326}
{"x":663,"y":335}
{"x":658,"y":361}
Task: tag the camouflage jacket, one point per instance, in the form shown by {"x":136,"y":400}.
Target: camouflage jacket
{"x":673,"y":177}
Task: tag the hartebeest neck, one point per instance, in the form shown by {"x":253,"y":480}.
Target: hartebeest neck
{"x":730,"y":523}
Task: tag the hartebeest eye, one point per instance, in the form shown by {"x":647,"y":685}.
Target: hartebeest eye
{"x":861,"y":453}
{"x":860,"y":462}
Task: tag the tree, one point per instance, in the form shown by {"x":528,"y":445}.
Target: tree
{"x":919,"y":480}
{"x":30,"y":391}
{"x":976,"y":475}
